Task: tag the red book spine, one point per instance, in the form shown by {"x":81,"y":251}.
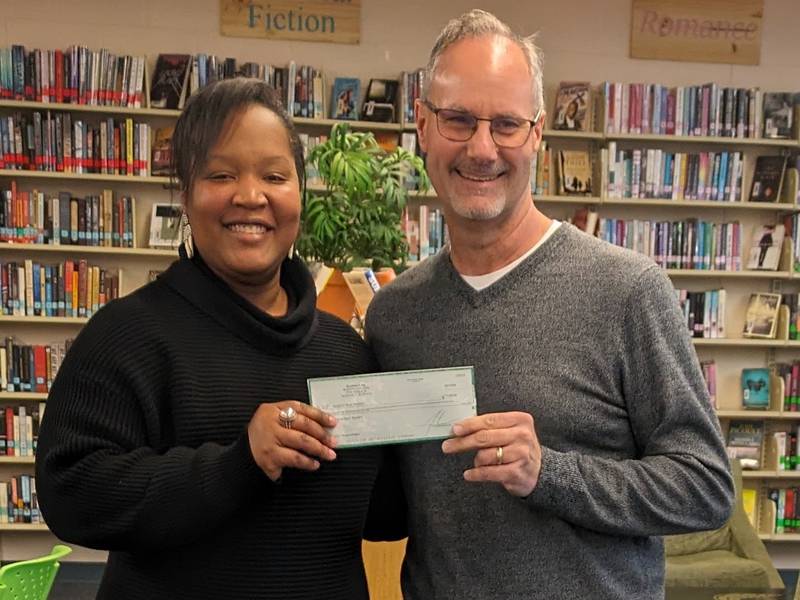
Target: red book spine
{"x":40,"y":368}
{"x":82,"y":287}
{"x":118,"y":162}
{"x":59,"y":58}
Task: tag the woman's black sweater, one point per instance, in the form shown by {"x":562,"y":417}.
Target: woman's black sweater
{"x":144,"y":448}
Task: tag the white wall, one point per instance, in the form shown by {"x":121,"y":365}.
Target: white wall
{"x":587,"y":41}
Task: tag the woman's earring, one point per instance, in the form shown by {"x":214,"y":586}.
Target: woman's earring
{"x":291,"y":252}
{"x":186,"y":236}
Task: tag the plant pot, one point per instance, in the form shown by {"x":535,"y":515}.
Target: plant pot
{"x":336,"y":298}
{"x":385,"y":276}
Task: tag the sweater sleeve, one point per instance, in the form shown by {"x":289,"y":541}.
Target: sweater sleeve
{"x":681,"y":480}
{"x":107,"y":476}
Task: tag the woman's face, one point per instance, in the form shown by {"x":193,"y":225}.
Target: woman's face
{"x":244,"y":205}
{"x":572,"y":109}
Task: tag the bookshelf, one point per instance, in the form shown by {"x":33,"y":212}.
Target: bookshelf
{"x":132,"y":264}
{"x":732,"y":353}
{"x":148,"y":189}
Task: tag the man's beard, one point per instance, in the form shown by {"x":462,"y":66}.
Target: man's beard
{"x":493,"y":206}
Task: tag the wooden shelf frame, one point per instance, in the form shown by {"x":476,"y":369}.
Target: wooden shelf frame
{"x":100,"y":250}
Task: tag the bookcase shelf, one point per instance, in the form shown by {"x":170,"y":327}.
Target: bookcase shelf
{"x":741,"y":342}
{"x":26,"y":527}
{"x":17,"y":460}
{"x":365,"y":125}
{"x":174,"y":114}
{"x":22,"y":396}
{"x":88,"y":108}
{"x":102,"y":250}
{"x":776,"y":415}
{"x":549,"y":134}
{"x":768,"y":207}
{"x":695,"y":204}
{"x":713,"y":274}
{"x":44,"y":320}
{"x":21,"y":174}
{"x":730,"y":142}
{"x":790,"y":475}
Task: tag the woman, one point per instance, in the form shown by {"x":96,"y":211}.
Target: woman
{"x":169,"y":440}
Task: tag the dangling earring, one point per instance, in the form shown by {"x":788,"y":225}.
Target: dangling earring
{"x":186,"y":235}
{"x":291,"y":252}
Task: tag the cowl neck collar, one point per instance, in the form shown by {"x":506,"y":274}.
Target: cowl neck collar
{"x":199,"y":285}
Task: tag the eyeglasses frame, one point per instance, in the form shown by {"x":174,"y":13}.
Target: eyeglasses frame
{"x":436,"y":110}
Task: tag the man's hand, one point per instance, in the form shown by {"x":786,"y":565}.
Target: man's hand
{"x":508,"y":450}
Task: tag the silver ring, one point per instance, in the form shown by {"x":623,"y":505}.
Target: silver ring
{"x":287,"y":417}
{"x":499,"y":455}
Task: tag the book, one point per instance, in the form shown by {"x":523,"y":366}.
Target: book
{"x":344,"y":102}
{"x":575,"y":172}
{"x":169,"y":81}
{"x":749,"y":497}
{"x":761,"y":317}
{"x":585,"y":219}
{"x":361,"y":289}
{"x":162,"y":151}
{"x":778,"y":114}
{"x":380,"y":100}
{"x":744,"y":443}
{"x":573,"y":107}
{"x":709,"y":368}
{"x":755,"y":388}
{"x":767,"y":178}
{"x":765,"y":249}
{"x":165,"y":225}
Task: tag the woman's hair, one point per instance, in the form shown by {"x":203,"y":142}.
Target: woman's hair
{"x":573,"y":105}
{"x":208,"y":112}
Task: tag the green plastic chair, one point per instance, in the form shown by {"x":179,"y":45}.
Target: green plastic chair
{"x":31,"y":579}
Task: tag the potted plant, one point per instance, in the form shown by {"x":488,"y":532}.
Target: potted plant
{"x":356,"y":220}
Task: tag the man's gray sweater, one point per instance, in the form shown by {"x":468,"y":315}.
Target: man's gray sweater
{"x":588,"y":338}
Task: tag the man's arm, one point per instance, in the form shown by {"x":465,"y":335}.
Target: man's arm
{"x":681,"y":481}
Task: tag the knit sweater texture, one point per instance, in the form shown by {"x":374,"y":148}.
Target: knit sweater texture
{"x":588,"y":338}
{"x":144,"y":449}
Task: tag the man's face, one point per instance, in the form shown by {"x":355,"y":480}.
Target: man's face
{"x":487,"y":77}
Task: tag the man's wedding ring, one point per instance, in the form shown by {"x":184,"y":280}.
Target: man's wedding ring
{"x":499,"y":455}
{"x":287,"y":417}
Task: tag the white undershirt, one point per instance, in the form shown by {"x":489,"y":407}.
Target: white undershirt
{"x":480,"y":282}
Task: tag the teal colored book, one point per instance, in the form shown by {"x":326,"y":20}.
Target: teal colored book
{"x":755,"y":388}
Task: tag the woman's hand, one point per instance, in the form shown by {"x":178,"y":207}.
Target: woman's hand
{"x":275,"y":447}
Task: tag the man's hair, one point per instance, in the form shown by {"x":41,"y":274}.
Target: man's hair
{"x":209,"y":111}
{"x":479,"y":23}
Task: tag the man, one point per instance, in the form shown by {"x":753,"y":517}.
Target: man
{"x":595,"y":435}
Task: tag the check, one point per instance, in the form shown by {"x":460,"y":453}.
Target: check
{"x":400,"y":406}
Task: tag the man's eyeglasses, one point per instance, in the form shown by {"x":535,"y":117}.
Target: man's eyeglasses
{"x":460,"y":126}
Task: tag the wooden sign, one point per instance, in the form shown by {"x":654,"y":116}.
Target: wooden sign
{"x":334,"y":21}
{"x":718,"y":31}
